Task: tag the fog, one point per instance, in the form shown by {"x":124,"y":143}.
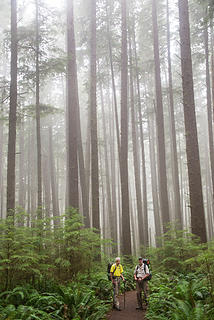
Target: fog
{"x":102,"y":90}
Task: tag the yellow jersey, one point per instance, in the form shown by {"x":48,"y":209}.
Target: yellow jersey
{"x":116,"y":272}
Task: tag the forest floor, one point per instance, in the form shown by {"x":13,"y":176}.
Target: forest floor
{"x":130,"y":311}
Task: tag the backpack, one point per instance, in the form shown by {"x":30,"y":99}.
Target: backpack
{"x":150,"y":274}
{"x":109,"y":269}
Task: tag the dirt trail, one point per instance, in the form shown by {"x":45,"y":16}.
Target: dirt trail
{"x":130,"y":311}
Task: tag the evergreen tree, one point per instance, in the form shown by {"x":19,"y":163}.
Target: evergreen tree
{"x":164,"y":202}
{"x":72,"y":105}
{"x":126,"y":237}
{"x":11,"y":156}
{"x":93,"y":120}
{"x":193,"y":161}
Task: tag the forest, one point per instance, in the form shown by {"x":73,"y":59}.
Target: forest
{"x":106,"y":150}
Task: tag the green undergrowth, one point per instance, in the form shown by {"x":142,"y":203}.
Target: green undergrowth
{"x":81,"y":299}
{"x":52,"y":269}
{"x":182,"y":287}
{"x":48,"y":270}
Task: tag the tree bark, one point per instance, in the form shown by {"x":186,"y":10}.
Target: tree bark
{"x":88,"y":162}
{"x":154,"y":180}
{"x":192,"y":149}
{"x":135,"y":151}
{"x":107,"y":169}
{"x":143,"y":159}
{"x":82,"y":173}
{"x":105,"y":226}
{"x":38,"y":122}
{"x":82,"y":170}
{"x":11,"y":156}
{"x":209,"y":195}
{"x":126,"y":235}
{"x":72,"y":105}
{"x":209,"y":110}
{"x":54,"y":187}
{"x":93,"y":118}
{"x":29,"y":174}
{"x":113,"y":83}
{"x":47,"y":184}
{"x":174,"y":155}
{"x":164,"y":203}
{"x":21,"y":201}
{"x":3,"y":96}
{"x":113,"y":174}
{"x":33,"y":180}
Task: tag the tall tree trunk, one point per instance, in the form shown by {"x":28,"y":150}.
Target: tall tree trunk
{"x":180,"y":162}
{"x":209,"y":110}
{"x":164,"y":203}
{"x":38,"y":125}
{"x":103,"y":201}
{"x":11,"y":156}
{"x":102,"y":204}
{"x":29,"y":174}
{"x":93,"y":118}
{"x":135,"y":151}
{"x":113,"y":82}
{"x":3,"y":96}
{"x":54,"y":187}
{"x":33,"y":165}
{"x":140,"y":117}
{"x":82,"y":173}
{"x":154,"y":179}
{"x":116,"y":118}
{"x":82,"y":167}
{"x":133,"y":232}
{"x":126,"y":235}
{"x":72,"y":105}
{"x":47,"y":184}
{"x":22,"y":190}
{"x":174,"y":155}
{"x":113,"y":174}
{"x":209,"y":194}
{"x":88,"y":158}
{"x":193,"y":160}
{"x":107,"y":170}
